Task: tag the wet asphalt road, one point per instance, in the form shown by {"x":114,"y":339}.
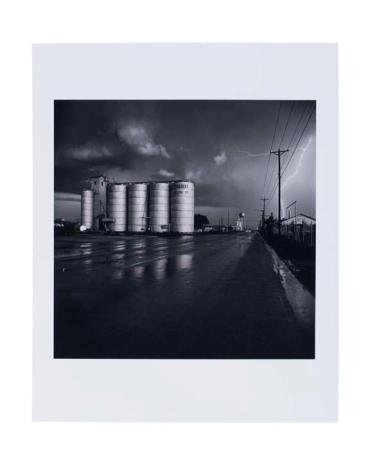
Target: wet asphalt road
{"x":215,"y":296}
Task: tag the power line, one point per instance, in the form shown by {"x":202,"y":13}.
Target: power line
{"x":271,"y":177}
{"x":274,"y":188}
{"x":292,"y":105}
{"x":272,"y":143}
{"x":276,"y":126}
{"x":271,"y":195}
{"x":283,"y":167}
{"x":273,"y":191}
{"x":287,"y":122}
{"x":300,"y":138}
{"x":298,"y":124}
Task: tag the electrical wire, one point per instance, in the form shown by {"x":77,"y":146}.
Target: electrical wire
{"x":287,"y":122}
{"x":271,"y":176}
{"x":300,"y":138}
{"x":285,"y":167}
{"x":298,"y":125}
{"x":272,"y":143}
{"x":276,"y":183}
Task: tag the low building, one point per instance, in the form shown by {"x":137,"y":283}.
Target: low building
{"x":300,"y":228}
{"x":299,"y":219}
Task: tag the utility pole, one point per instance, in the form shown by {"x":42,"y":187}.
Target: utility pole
{"x":263,"y":213}
{"x":279,"y":153}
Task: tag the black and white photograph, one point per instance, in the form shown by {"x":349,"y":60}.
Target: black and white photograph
{"x":185,"y":232}
{"x":184,"y":276}
{"x":184,"y":229}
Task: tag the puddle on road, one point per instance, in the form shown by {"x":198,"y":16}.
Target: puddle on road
{"x":86,"y":252}
{"x":184,"y":262}
{"x":87,"y":262}
{"x":118,"y":274}
{"x":138,"y":271}
{"x":157,"y":269}
{"x":118,"y":247}
{"x":116,"y":257}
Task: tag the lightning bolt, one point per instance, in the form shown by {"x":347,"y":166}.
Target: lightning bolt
{"x":293,"y":174}
{"x":251,"y":155}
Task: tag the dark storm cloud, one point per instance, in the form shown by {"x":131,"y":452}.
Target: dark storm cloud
{"x":223,"y":146}
{"x":140,"y":137}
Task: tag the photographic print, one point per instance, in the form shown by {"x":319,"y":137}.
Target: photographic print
{"x":184,"y":229}
{"x":185,"y":232}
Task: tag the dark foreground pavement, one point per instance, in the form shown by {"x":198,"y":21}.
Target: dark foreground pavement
{"x":216,"y":296}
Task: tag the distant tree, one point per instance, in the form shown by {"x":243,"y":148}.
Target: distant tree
{"x":200,"y":220}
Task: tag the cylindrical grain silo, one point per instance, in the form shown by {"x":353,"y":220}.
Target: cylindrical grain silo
{"x":159,"y":207}
{"x":116,"y":205}
{"x":87,"y":208}
{"x":137,"y":207}
{"x":182,"y":207}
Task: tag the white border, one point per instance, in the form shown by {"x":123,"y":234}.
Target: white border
{"x":129,"y":390}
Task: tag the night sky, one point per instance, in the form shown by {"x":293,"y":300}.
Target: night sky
{"x":223,"y":146}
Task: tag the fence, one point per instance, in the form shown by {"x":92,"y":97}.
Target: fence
{"x":302,"y":233}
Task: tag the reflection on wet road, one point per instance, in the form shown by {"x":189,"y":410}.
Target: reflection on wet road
{"x":215,"y":296}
